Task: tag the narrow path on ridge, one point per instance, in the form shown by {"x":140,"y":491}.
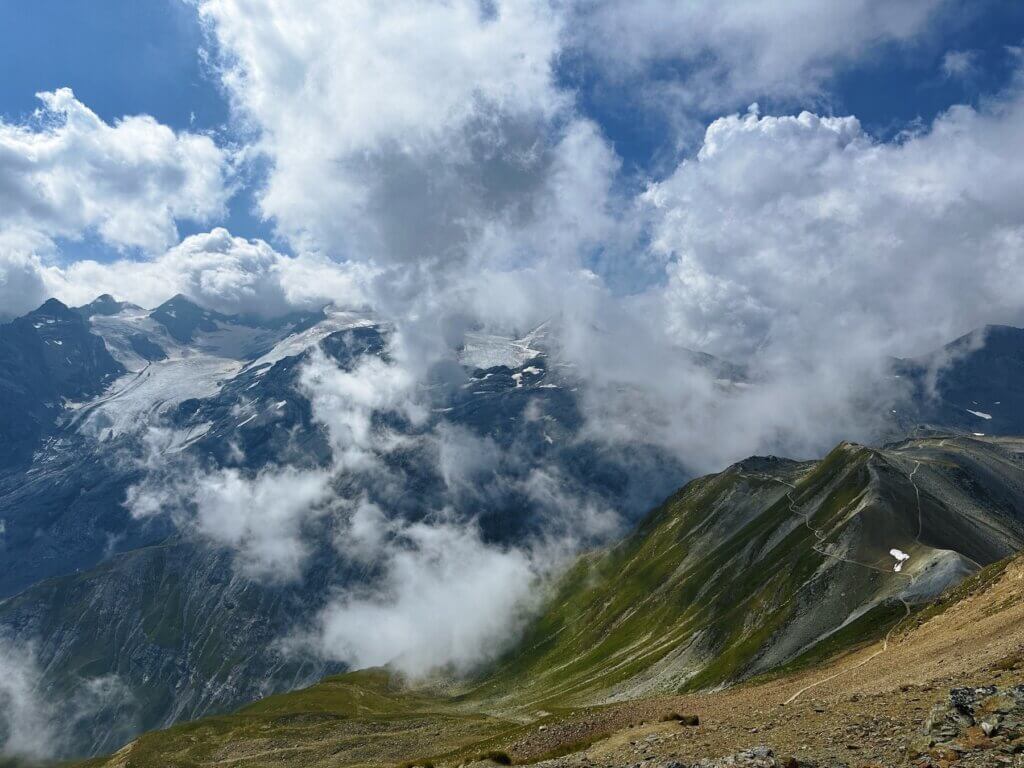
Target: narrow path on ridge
{"x":906,"y":606}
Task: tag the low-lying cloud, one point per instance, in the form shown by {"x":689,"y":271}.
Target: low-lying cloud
{"x":444,"y":598}
{"x":26,"y":721}
{"x":36,"y":723}
{"x":218,"y":271}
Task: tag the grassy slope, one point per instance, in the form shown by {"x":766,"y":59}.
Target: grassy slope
{"x":720,"y":570}
{"x":361,"y":718}
{"x":617,"y":614}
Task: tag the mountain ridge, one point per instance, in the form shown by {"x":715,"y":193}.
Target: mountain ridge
{"x":610,"y":634}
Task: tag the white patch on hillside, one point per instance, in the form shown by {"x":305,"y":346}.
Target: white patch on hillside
{"x":294,"y":344}
{"x":979,"y":414}
{"x":901,"y":558}
{"x":197,"y":369}
{"x":481,"y":350}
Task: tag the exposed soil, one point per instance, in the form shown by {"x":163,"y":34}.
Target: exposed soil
{"x":856,"y":713}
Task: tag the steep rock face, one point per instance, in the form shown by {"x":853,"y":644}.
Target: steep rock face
{"x":47,"y":356}
{"x":771,"y":563}
{"x":66,"y":514}
{"x":172,"y":629}
{"x":971,"y":384}
{"x":183,"y":319}
{"x":105,"y":305}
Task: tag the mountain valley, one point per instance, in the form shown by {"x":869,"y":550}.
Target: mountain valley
{"x":770,"y":567}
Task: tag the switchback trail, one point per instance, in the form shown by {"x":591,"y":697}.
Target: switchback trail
{"x":906,"y":606}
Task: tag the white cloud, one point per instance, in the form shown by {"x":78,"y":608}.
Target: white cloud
{"x":446,"y":599}
{"x":261,"y":519}
{"x":35,"y":725}
{"x":959,"y":64}
{"x":806,"y":249}
{"x":26,"y":728}
{"x":409,"y":119}
{"x":221,"y":272}
{"x":68,"y":173}
{"x":347,"y":401}
{"x":803,"y":234}
{"x":725,"y":53}
{"x":22,"y":283}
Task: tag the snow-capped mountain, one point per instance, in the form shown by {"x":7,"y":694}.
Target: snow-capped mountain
{"x":103,"y":593}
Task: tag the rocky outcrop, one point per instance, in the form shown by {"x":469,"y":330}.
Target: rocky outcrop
{"x":974,"y":727}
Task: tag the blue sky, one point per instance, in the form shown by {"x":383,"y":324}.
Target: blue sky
{"x":124,"y":57}
{"x":121,"y":57}
{"x":897,"y":85}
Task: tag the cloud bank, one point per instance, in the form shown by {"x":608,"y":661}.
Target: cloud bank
{"x":221,"y":272}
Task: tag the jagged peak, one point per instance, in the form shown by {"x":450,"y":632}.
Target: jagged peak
{"x":104,"y":304}
{"x":52,"y":308}
{"x":177,"y":301}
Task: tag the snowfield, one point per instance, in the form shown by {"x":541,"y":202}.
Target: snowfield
{"x":150,"y":389}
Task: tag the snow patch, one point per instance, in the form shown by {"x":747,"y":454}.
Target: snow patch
{"x":979,"y":414}
{"x":481,"y":350}
{"x":901,"y":558}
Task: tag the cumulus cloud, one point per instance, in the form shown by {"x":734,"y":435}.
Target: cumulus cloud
{"x":793,"y":232}
{"x":220,"y":272}
{"x":809,"y":251}
{"x":421,"y":125}
{"x":69,"y":173}
{"x":446,"y":599}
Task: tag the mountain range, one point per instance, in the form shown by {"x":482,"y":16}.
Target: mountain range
{"x":772,"y":564}
{"x":764,"y":573}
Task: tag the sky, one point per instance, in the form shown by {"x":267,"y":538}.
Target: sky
{"x":804,"y":187}
{"x":128,"y":58}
